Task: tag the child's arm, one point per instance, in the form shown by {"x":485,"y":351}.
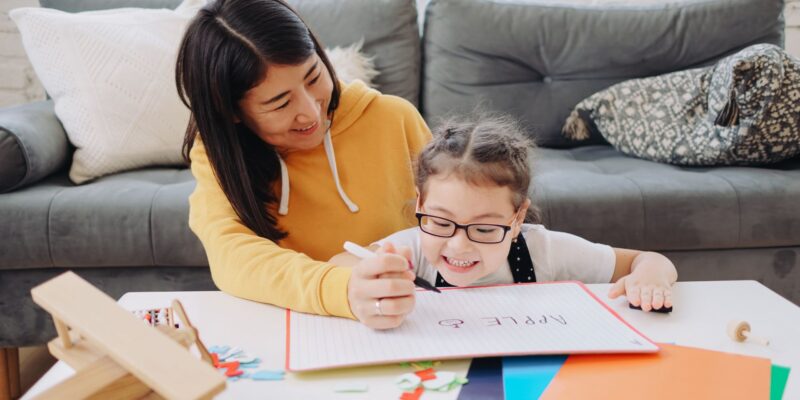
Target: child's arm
{"x":645,"y":278}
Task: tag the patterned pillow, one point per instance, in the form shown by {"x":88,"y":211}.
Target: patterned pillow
{"x":745,"y":110}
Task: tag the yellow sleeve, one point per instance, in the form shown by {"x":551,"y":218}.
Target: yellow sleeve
{"x":249,"y":266}
{"x":417,"y":133}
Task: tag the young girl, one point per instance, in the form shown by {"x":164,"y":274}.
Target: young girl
{"x":472,"y":198}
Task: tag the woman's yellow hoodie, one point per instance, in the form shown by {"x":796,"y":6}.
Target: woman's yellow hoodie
{"x":375,"y":137}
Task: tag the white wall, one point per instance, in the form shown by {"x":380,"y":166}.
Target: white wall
{"x":18,"y":83}
{"x":792,"y":15}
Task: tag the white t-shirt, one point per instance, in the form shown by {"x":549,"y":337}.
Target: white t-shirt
{"x":556,"y":256}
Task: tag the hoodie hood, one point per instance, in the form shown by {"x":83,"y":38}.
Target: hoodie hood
{"x":355,"y":97}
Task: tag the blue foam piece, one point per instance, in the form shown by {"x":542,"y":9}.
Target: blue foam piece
{"x":219,"y":349}
{"x":527,"y":377}
{"x":267,"y":375}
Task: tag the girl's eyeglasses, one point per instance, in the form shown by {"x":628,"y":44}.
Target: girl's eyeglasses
{"x":479,"y":233}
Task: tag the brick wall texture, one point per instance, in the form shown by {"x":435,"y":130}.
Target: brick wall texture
{"x":18,"y":83}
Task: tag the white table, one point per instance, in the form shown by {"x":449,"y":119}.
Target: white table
{"x":702,"y":311}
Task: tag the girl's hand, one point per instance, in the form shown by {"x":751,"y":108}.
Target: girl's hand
{"x":381,"y":289}
{"x":649,"y":285}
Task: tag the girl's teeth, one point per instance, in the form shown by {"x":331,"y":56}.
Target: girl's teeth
{"x":459,"y":263}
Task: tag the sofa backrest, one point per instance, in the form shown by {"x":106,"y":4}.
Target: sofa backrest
{"x":92,"y":5}
{"x":537,"y":59}
{"x":389,"y":29}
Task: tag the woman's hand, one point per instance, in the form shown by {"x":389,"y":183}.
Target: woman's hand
{"x":649,"y":285}
{"x":381,"y":288}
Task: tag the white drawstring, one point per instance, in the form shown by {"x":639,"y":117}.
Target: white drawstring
{"x":283,"y":208}
{"x":332,"y":163}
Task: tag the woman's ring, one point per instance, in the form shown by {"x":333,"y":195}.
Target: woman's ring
{"x":378,"y":307}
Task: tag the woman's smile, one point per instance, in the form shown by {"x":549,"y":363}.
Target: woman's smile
{"x":308,"y":130}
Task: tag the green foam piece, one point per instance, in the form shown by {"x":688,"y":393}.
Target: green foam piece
{"x":779,"y":376}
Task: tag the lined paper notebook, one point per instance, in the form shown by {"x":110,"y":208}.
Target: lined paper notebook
{"x":538,"y":318}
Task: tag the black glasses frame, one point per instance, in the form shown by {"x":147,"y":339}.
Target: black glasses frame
{"x":458,"y":226}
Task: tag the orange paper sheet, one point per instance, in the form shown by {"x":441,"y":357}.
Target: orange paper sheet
{"x":675,"y":372}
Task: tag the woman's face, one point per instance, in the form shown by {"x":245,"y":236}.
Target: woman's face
{"x":458,"y":259}
{"x":288,"y":109}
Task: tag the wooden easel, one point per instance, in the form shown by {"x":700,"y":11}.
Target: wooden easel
{"x":114,"y":354}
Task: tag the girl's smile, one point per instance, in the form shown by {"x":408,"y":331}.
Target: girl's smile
{"x":459,"y":266}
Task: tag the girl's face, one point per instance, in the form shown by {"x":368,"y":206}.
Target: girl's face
{"x":458,"y":259}
{"x":288,"y":109}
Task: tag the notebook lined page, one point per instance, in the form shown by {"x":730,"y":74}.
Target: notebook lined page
{"x":544,"y":318}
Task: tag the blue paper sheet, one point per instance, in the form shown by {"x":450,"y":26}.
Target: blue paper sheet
{"x":527,"y":377}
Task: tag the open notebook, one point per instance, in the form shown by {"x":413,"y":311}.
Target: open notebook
{"x":522,"y":319}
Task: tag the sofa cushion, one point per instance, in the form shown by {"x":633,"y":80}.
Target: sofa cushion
{"x":32,"y":144}
{"x":530,"y":58}
{"x":137,"y":218}
{"x":742,"y":111}
{"x":605,"y":196}
{"x":92,"y":5}
{"x":388,"y":27}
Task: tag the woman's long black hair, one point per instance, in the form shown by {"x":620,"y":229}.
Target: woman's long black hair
{"x":226,"y":51}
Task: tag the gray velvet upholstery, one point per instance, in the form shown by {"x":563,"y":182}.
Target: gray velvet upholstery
{"x":91,"y":5}
{"x":605,"y":196}
{"x":777,"y":268}
{"x":33,"y":144}
{"x":388,"y":27}
{"x":390,"y":32}
{"x":135,"y":218}
{"x":538,"y":59}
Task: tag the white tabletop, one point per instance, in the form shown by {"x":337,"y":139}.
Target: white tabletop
{"x":701,"y":313}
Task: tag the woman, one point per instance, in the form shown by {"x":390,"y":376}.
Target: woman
{"x":290,"y":163}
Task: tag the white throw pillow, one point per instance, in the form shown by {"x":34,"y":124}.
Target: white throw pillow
{"x":111,"y":75}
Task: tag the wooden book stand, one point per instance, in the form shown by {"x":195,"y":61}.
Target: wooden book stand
{"x":114,"y":354}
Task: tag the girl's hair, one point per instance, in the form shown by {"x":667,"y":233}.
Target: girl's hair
{"x":483,"y":150}
{"x":227,"y":50}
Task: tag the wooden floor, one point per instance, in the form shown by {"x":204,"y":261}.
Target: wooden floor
{"x":21,"y":368}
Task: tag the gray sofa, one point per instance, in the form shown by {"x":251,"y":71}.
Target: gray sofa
{"x":536,"y":60}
